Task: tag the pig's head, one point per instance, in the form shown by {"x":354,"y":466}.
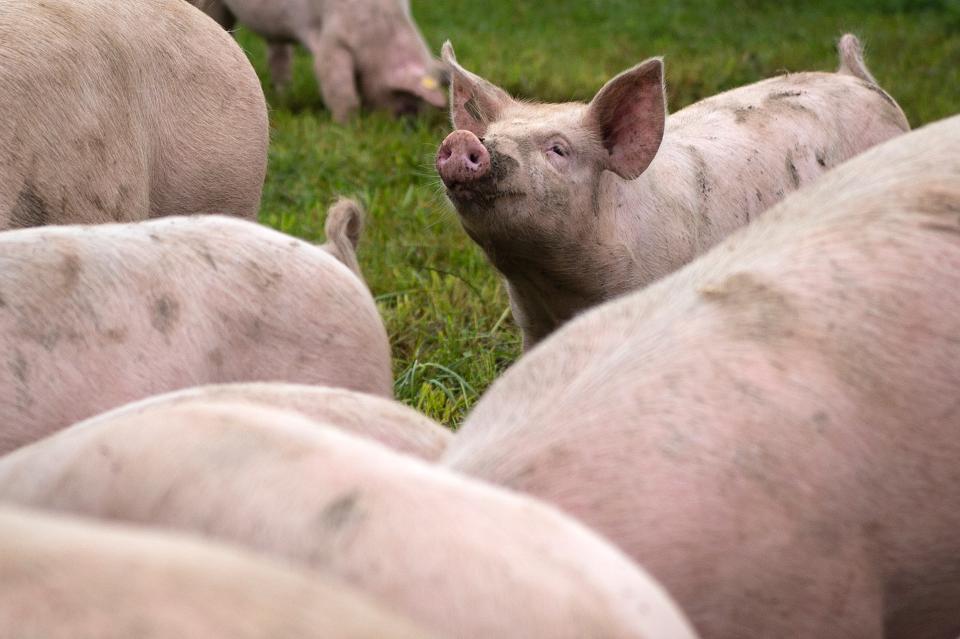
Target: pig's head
{"x":407,"y":89}
{"x":526,"y":178}
{"x":396,"y":71}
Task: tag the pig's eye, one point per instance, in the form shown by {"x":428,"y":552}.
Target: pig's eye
{"x":559,"y":150}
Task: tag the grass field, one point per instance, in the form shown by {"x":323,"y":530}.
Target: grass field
{"x":444,"y":307}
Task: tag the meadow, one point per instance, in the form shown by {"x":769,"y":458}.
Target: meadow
{"x":445,"y":308}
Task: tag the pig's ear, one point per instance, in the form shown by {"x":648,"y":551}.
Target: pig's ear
{"x":629,"y":114}
{"x":474,"y":102}
{"x":419,"y":81}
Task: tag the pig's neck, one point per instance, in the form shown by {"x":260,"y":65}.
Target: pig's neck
{"x":661,"y":219}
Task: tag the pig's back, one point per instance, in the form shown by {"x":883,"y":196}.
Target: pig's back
{"x":740,"y":152}
{"x":841,"y":114}
{"x":120,"y":111}
{"x":94,"y":317}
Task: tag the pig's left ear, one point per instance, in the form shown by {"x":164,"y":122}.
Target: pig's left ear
{"x":420,"y":81}
{"x":629,"y":114}
{"x":474,"y":102}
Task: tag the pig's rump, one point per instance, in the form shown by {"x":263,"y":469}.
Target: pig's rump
{"x":123,"y":111}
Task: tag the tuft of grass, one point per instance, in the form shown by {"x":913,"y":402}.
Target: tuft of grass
{"x":445,"y":309}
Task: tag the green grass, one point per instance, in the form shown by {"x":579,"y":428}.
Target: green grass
{"x":445,"y":309}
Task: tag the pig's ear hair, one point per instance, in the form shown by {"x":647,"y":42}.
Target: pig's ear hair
{"x":474,"y":102}
{"x":629,"y":114}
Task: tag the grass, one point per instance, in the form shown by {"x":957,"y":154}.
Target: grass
{"x":444,"y":307}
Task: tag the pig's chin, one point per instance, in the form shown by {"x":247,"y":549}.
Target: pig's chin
{"x":477,"y":201}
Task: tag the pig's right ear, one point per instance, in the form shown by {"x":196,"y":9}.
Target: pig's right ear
{"x":474,"y":102}
{"x":629,"y":114}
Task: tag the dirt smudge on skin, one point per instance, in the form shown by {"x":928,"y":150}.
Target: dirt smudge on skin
{"x":704,"y":189}
{"x":69,"y":270}
{"x":215,"y":357}
{"x":759,"y":311}
{"x":164,"y":314}
{"x":117,"y":335}
{"x":743,"y":113}
{"x":785,"y":100}
{"x":883,"y":94}
{"x":780,"y":95}
{"x":792,"y":170}
{"x":938,"y":199}
{"x":942,"y":228}
{"x":341,"y":512}
{"x":30,"y":209}
{"x":501,"y":165}
{"x":20,"y":369}
{"x":260,"y":277}
{"x":114,"y":462}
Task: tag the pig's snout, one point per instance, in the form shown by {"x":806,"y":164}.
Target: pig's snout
{"x":462,"y":159}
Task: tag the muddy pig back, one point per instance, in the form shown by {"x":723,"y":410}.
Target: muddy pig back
{"x":95,"y":317}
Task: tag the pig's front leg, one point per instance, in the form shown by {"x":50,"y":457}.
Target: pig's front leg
{"x":280,"y":61}
{"x":333,"y":65}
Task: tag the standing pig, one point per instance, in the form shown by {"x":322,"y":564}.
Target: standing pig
{"x":66,"y":578}
{"x":457,"y":556}
{"x":575,"y":204}
{"x":117,"y":111}
{"x":95,"y":317}
{"x":378,"y":418}
{"x":772,"y":430}
{"x":366,"y":51}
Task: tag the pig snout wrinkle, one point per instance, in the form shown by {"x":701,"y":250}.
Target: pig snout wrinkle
{"x":462,"y":158}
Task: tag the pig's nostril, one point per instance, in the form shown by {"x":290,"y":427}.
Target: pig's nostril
{"x":474,"y":158}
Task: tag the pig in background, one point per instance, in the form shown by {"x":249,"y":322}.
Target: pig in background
{"x":366,"y":52}
{"x":92,"y":317}
{"x":71,"y":578}
{"x":773,"y":430}
{"x":118,"y":111}
{"x":575,"y":204}
{"x":455,"y":555}
{"x":383,"y":420}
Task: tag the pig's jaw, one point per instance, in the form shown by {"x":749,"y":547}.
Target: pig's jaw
{"x":469,"y":198}
{"x":480,"y":208}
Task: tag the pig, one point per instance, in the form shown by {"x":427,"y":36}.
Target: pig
{"x":65,"y":577}
{"x":380,"y":419}
{"x":118,"y":112}
{"x":456,"y":556}
{"x":576,"y":204}
{"x":364,"y":51}
{"x":771,"y":430}
{"x":93,"y":317}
